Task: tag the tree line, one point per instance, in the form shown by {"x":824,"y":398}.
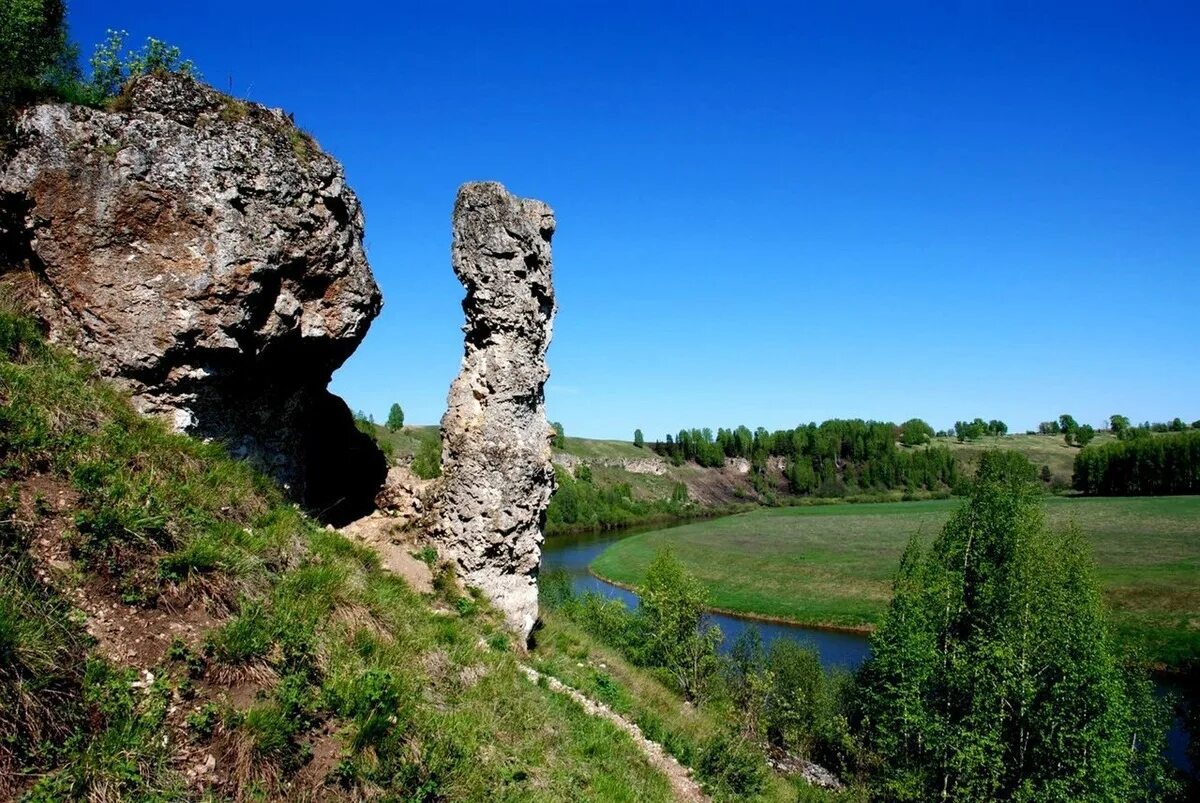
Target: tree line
{"x":978,"y":428}
{"x":1145,"y":465}
{"x":837,"y":457}
{"x":1121,"y":426}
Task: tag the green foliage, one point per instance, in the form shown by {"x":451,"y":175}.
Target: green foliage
{"x":837,"y":458}
{"x":34,"y":51}
{"x":1069,"y":427}
{"x":1049,"y":428}
{"x":111,"y":70}
{"x":915,"y":432}
{"x":427,"y":460}
{"x":428,"y":555}
{"x":579,"y":504}
{"x":992,"y":675}
{"x":395,"y":419}
{"x":1118,"y":424}
{"x":1141,"y":466}
{"x":639,"y":440}
{"x":41,"y":650}
{"x":970,"y":430}
{"x":559,"y":439}
{"x":677,"y":638}
{"x":731,"y":767}
{"x":1084,"y":435}
{"x":243,"y":638}
{"x":203,"y":721}
{"x":365,"y":423}
{"x":314,"y":613}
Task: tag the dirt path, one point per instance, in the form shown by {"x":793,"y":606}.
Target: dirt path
{"x":679,"y":776}
{"x":384,"y":536}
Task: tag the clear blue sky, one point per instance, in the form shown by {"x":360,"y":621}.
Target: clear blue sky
{"x":766,"y":215}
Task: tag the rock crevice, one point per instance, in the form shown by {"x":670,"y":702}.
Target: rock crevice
{"x":497,"y":477}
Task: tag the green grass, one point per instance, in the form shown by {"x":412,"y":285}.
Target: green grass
{"x":833,"y":565}
{"x":404,"y":442}
{"x":415,"y":696}
{"x":1042,"y":450}
{"x":603,"y":449}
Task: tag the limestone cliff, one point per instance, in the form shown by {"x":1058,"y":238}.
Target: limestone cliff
{"x":207,"y":255}
{"x":496,"y":473}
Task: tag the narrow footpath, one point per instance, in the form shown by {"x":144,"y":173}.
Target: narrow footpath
{"x":680,"y":777}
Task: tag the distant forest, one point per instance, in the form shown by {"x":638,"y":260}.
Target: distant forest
{"x":1141,"y":465}
{"x":835,"y":458}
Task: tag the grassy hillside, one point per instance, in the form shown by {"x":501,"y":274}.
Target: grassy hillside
{"x":404,"y":442}
{"x":566,"y":651}
{"x":832,"y":565}
{"x":605,"y":449}
{"x":172,"y":628}
{"x":1041,"y":450}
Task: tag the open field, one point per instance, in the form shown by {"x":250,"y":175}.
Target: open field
{"x":833,"y":565}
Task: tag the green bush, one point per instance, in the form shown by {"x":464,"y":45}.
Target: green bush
{"x":33,"y":49}
{"x":730,"y":767}
{"x":111,"y":70}
{"x":427,"y":460}
{"x":580,"y":504}
{"x":992,"y":674}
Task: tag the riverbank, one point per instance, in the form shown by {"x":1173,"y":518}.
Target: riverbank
{"x":832,"y":566}
{"x":862,"y":630}
{"x":653,"y":520}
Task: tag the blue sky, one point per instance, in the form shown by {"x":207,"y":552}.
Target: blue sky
{"x":766,"y":215}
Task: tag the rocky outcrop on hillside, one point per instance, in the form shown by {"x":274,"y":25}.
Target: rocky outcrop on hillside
{"x":207,"y":255}
{"x":496,"y":472}
{"x":641,"y":465}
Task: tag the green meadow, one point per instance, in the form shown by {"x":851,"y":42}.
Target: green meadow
{"x":832,"y":565}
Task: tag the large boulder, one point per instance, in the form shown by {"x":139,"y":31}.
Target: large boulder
{"x":496,"y":473}
{"x":204,"y":253}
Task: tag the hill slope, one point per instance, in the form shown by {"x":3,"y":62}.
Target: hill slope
{"x":171,"y":627}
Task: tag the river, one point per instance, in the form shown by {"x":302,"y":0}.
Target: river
{"x":574,"y":553}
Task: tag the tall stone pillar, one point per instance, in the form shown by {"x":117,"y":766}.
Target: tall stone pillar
{"x":496,"y":472}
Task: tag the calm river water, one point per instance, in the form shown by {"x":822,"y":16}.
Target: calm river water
{"x":574,"y":553}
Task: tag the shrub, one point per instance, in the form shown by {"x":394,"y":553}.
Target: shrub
{"x":730,"y":766}
{"x":111,"y":70}
{"x":672,"y":616}
{"x":915,"y":432}
{"x":797,"y":702}
{"x":427,"y":460}
{"x":992,"y":674}
{"x":33,"y":49}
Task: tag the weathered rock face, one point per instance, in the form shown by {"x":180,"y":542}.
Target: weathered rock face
{"x":496,"y":471}
{"x":207,"y":255}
